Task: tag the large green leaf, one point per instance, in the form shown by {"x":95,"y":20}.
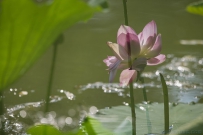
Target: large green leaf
{"x":43,"y":130}
{"x":184,"y":119}
{"x":28,"y":28}
{"x":87,"y":128}
{"x":196,"y":7}
{"x":93,"y":127}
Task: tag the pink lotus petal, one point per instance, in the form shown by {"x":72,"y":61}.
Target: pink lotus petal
{"x":119,"y":51}
{"x":135,"y":48}
{"x":111,"y":62}
{"x":127,"y":76}
{"x":140,"y":37}
{"x":131,"y":39}
{"x":156,"y":60}
{"x":125,"y":29}
{"x":156,"y":49}
{"x":150,"y":30}
{"x":126,"y":35}
{"x":121,"y":40}
{"x":147,"y":46}
{"x":112,"y":74}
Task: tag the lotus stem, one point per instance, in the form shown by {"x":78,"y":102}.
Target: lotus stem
{"x":147,"y":109}
{"x":125,"y":11}
{"x":51,"y":78}
{"x":132,"y":109}
{"x":2,"y":112}
{"x":166,"y":105}
{"x":132,"y":102}
{"x":144,"y":89}
{"x":1,"y":103}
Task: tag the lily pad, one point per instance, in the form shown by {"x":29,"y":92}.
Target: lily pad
{"x":29,"y":27}
{"x":196,"y":8}
{"x":183,"y":119}
{"x":92,"y":126}
{"x":43,"y":130}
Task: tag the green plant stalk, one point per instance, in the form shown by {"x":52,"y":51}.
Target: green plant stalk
{"x":144,"y":89}
{"x":2,"y":112}
{"x":51,"y":78}
{"x":132,"y":102}
{"x":1,"y":103}
{"x":144,"y":94}
{"x":147,"y":109}
{"x":125,"y":12}
{"x":166,"y":105}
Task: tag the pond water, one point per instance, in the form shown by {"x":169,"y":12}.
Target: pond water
{"x":80,"y":82}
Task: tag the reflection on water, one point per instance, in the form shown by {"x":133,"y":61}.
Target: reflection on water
{"x":183,"y":76}
{"x":19,"y":117}
{"x":191,"y":42}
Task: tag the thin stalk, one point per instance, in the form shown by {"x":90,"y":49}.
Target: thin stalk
{"x":51,"y":78}
{"x":125,"y":11}
{"x":147,"y":108}
{"x":166,"y":105}
{"x":1,"y":112}
{"x":58,"y":41}
{"x":1,"y":103}
{"x":132,"y":109}
{"x":144,"y":94}
{"x":132,"y":102}
{"x":144,"y":89}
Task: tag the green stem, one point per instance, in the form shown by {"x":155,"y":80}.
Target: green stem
{"x":51,"y":78}
{"x":144,"y":94}
{"x":132,"y":109}
{"x":2,"y":112}
{"x":147,"y":107}
{"x":166,"y":105}
{"x":144,"y":89}
{"x":132,"y":102}
{"x":125,"y":12}
{"x":1,"y":103}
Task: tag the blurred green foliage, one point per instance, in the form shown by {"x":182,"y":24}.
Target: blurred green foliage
{"x":43,"y":130}
{"x":28,"y":28}
{"x":196,"y":8}
{"x":90,"y":126}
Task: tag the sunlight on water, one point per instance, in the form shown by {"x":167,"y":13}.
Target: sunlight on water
{"x":183,"y":77}
{"x":20,"y":117}
{"x":191,"y":42}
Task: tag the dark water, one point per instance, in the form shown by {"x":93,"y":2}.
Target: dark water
{"x":80,"y":82}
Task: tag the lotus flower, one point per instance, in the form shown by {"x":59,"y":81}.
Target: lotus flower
{"x":143,"y":49}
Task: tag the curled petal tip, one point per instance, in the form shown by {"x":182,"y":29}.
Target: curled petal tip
{"x":119,"y":51}
{"x":125,"y":29}
{"x":156,"y":60}
{"x":152,"y":22}
{"x":108,"y":42}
